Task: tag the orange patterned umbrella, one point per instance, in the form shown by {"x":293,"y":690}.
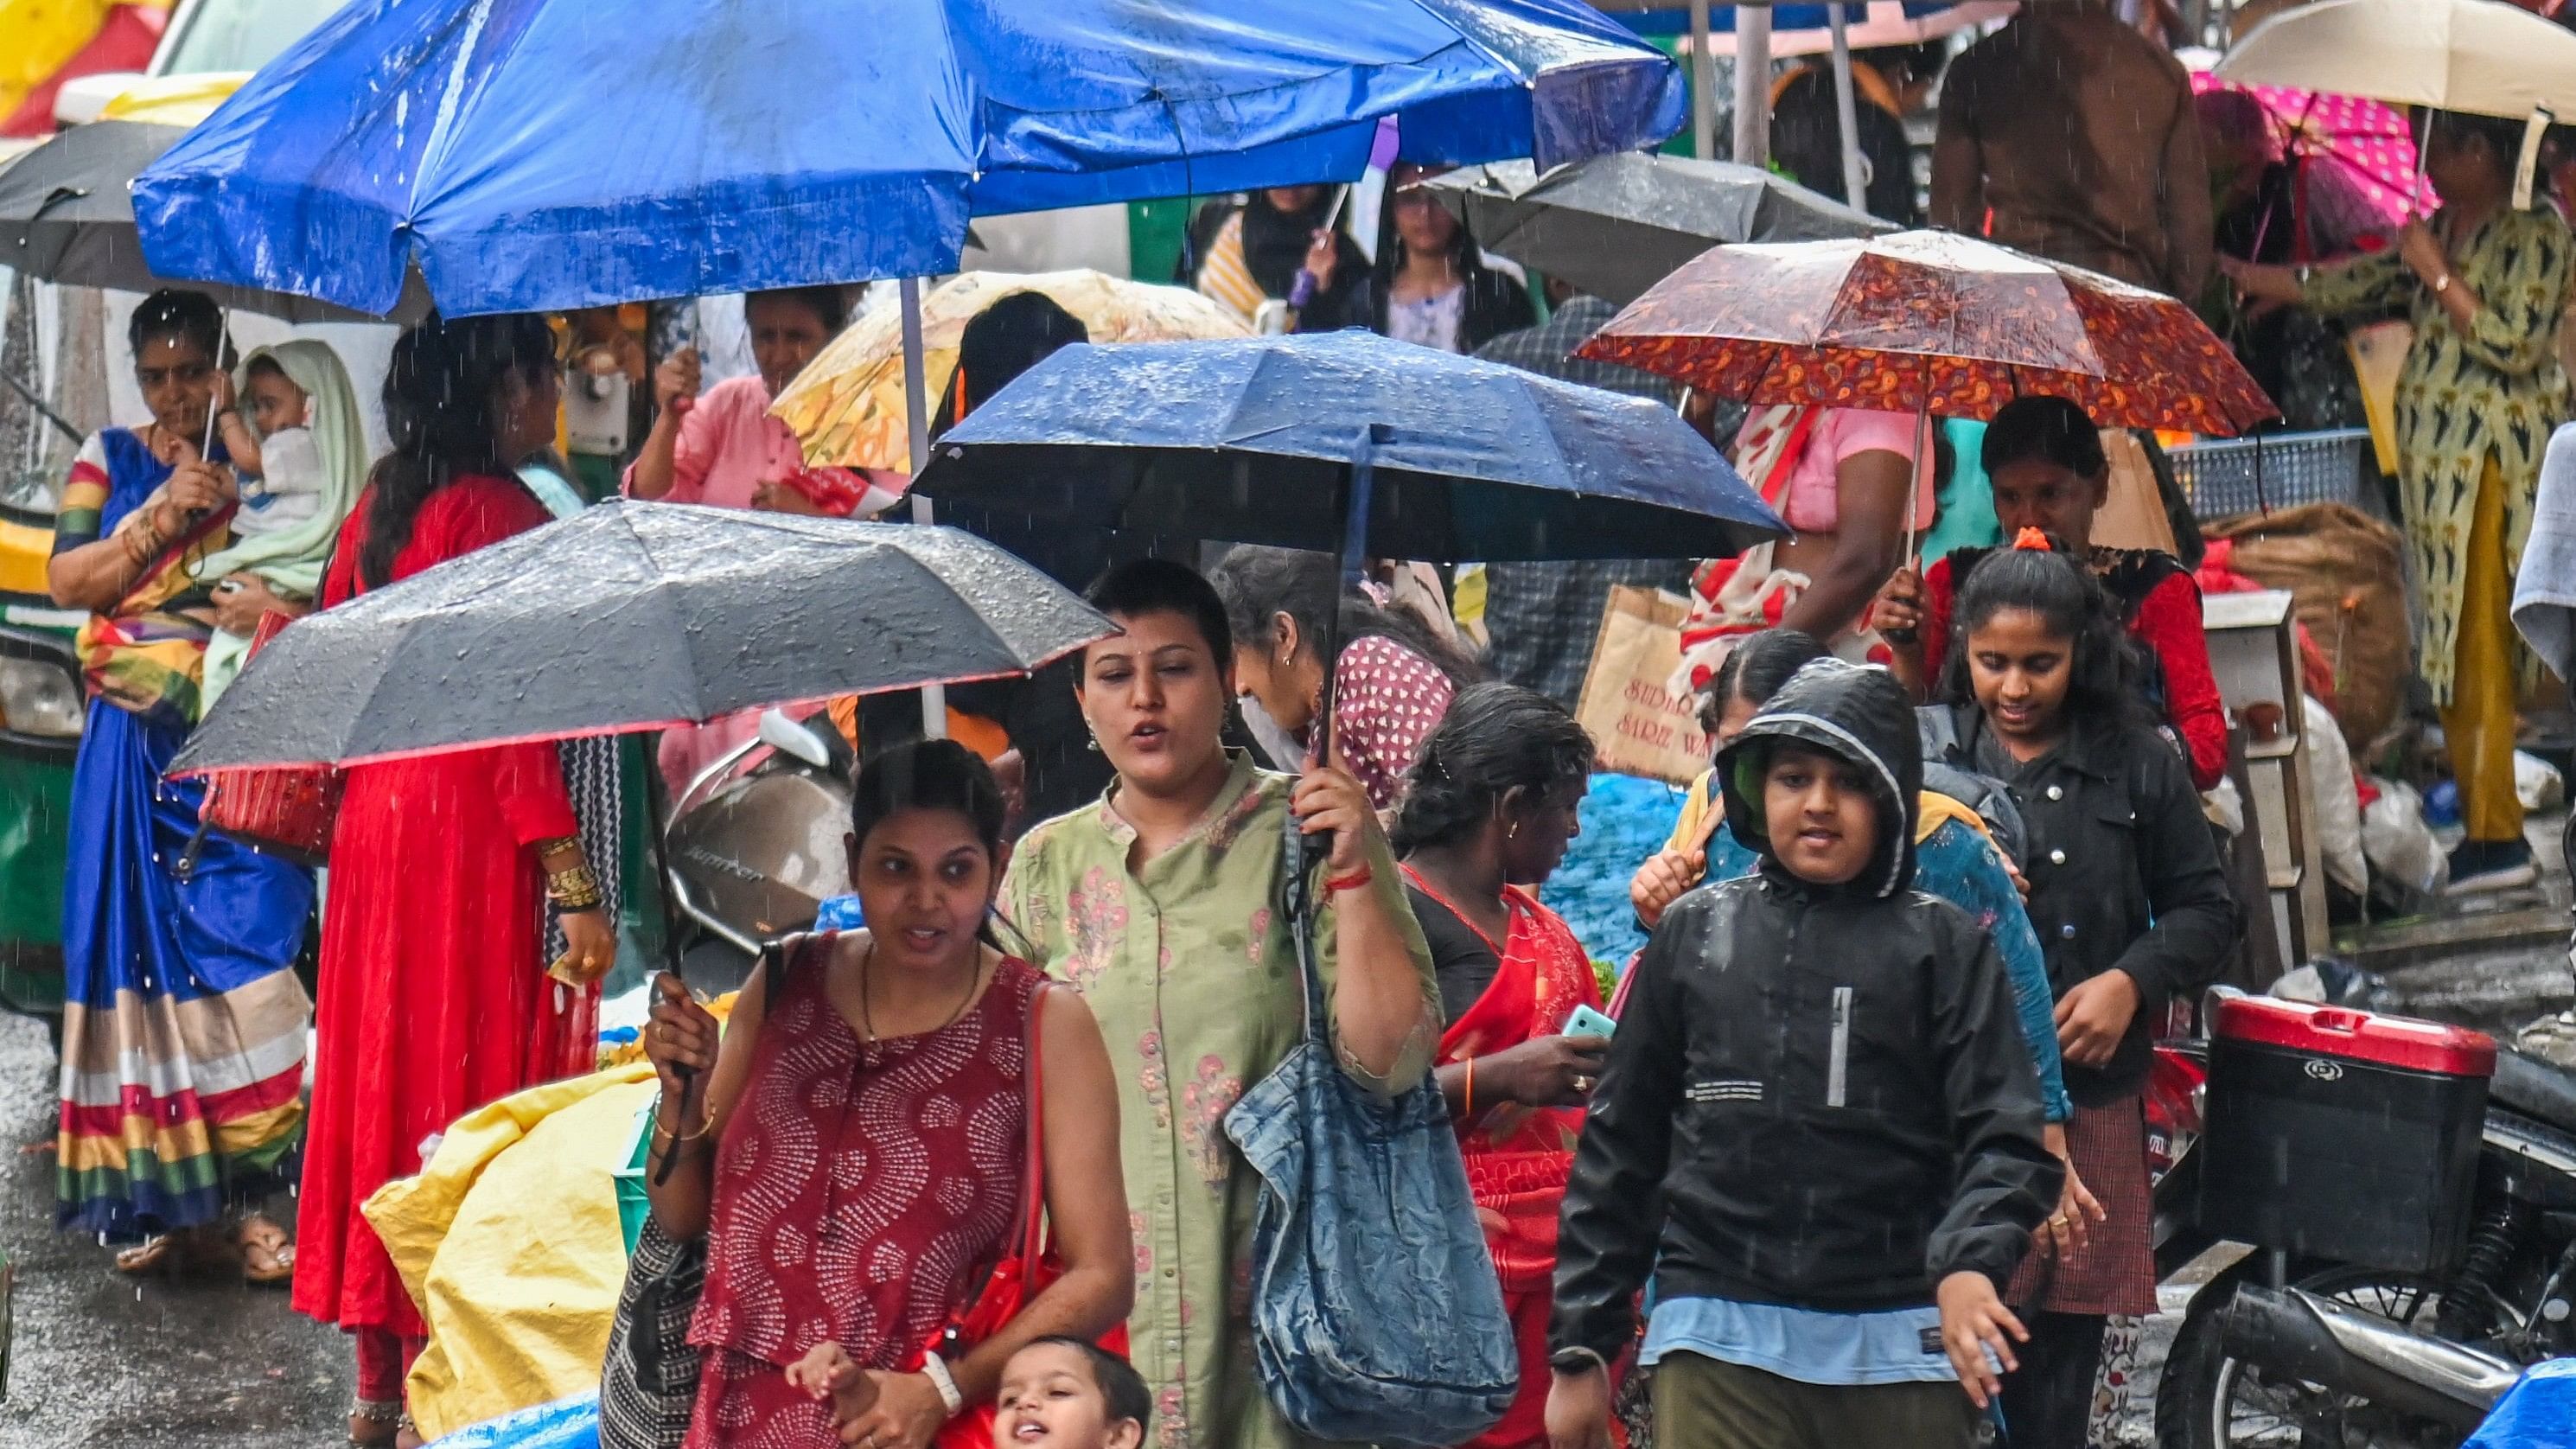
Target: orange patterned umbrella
{"x":1928,"y":321}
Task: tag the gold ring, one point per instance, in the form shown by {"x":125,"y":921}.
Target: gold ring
{"x":2058,"y":1221}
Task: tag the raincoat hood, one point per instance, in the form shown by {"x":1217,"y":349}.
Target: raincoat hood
{"x":1854,"y":713}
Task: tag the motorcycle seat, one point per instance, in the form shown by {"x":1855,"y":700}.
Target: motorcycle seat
{"x":2534,"y":1088}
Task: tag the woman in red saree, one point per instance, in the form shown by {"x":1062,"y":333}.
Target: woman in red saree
{"x":434,"y":995}
{"x":1487,"y":817}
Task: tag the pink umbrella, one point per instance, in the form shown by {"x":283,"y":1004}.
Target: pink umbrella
{"x":2366,"y":141}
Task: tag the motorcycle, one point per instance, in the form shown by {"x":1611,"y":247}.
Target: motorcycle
{"x":2302,"y":1348}
{"x":752,"y":854}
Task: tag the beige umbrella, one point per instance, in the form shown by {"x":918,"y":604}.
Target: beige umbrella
{"x":847,"y":406}
{"x":2478,"y":56}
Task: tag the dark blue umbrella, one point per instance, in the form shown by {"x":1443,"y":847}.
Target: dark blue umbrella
{"x":540,"y":154}
{"x":1254,"y":441}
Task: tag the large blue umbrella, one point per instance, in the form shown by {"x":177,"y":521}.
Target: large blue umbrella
{"x":540,"y":154}
{"x":1255,"y":441}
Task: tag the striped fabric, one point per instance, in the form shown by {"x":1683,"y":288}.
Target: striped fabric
{"x":1225,"y":277}
{"x":162,"y":1096}
{"x":147,"y":658}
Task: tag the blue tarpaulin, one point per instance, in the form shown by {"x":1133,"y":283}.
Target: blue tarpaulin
{"x":2539,"y":1412}
{"x":572,"y":1424}
{"x":540,"y":154}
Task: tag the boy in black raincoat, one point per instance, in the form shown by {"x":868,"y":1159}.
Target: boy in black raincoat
{"x":1820,"y":1077}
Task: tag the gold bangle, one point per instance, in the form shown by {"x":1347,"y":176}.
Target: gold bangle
{"x":664,"y":1132}
{"x":558,"y":845}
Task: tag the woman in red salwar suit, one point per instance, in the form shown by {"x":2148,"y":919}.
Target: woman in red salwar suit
{"x":433,"y":997}
{"x":1486,"y":818}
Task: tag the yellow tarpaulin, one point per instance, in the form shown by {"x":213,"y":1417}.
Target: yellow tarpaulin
{"x":509,"y":1242}
{"x":37,"y":36}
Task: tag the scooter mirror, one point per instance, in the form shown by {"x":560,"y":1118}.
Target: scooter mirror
{"x":790,"y":738}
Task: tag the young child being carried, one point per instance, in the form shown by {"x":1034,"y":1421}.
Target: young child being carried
{"x":1821,"y":1078}
{"x":303,"y":467}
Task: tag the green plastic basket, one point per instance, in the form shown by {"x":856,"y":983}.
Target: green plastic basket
{"x":632,"y":1203}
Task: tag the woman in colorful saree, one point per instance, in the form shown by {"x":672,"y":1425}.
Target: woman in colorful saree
{"x":1487,"y":818}
{"x":183,"y":1022}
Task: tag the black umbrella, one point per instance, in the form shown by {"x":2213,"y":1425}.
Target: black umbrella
{"x":637,"y":616}
{"x":1254,"y":440}
{"x":65,"y":217}
{"x":1616,"y":225}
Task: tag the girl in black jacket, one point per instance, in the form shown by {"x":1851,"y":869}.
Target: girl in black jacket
{"x":2132,"y":910}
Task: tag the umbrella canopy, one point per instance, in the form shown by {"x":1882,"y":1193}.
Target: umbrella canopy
{"x":776,"y":145}
{"x":2366,"y":143}
{"x":1252,"y":442}
{"x":65,"y":217}
{"x":635,"y":616}
{"x":2479,"y":56}
{"x":1616,"y":225}
{"x":1926,"y":320}
{"x":848,"y":403}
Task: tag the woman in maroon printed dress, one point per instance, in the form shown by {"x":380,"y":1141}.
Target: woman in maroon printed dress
{"x":1395,"y":678}
{"x":854,"y":1151}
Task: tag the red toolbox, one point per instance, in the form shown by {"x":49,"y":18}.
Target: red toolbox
{"x":2342,"y":1134}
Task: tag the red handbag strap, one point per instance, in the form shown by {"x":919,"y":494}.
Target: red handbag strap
{"x":1033,"y":1171}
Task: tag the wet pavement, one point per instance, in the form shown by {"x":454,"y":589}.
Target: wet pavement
{"x":102,"y":1361}
{"x":98,"y":1360}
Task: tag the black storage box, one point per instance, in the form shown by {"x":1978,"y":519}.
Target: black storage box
{"x":2342,"y":1134}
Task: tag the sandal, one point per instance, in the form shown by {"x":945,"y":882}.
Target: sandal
{"x":267,"y":1253}
{"x":373,"y":1423}
{"x":161,"y":1254}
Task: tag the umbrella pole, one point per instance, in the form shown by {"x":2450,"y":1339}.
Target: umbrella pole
{"x":916,"y":413}
{"x":657,"y":807}
{"x":1846,"y":111}
{"x":1703,"y":85}
{"x":1359,"y":488}
{"x":1753,"y":85}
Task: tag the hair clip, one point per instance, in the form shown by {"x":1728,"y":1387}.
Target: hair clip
{"x":2032,"y":538}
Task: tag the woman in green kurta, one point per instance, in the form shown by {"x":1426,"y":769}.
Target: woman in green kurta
{"x":2485,"y":285}
{"x":1159,"y":904}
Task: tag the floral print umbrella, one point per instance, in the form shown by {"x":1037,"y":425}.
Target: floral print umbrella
{"x":1928,"y":321}
{"x":2368,"y":140}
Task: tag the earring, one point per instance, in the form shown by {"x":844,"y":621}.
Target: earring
{"x":1515,"y":832}
{"x":1092,"y":743}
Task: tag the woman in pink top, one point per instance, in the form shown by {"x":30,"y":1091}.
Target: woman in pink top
{"x":1853,"y":481}
{"x":724,"y":448}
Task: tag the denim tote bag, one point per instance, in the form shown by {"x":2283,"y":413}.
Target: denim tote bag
{"x":1376,"y":1316}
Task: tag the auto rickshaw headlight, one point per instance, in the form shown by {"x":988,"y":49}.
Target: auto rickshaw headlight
{"x":39,"y":697}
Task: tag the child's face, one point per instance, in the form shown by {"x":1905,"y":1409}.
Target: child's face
{"x":2020,"y":670}
{"x":275,"y":403}
{"x":1049,"y":1398}
{"x":1821,"y":818}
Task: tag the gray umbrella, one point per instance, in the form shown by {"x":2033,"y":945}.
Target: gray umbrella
{"x":1615,"y":225}
{"x":65,"y":217}
{"x":635,"y":616}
